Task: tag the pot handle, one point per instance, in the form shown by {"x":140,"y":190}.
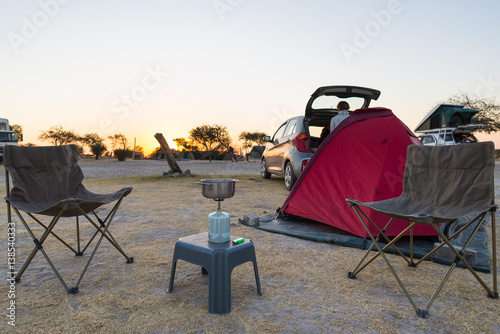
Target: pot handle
{"x":204,"y":184}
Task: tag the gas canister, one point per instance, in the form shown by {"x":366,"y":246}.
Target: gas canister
{"x":219,"y":223}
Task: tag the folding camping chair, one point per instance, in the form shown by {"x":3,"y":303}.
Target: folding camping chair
{"x":441,"y":184}
{"x":47,"y":181}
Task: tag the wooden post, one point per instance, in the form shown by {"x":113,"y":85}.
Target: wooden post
{"x":166,"y":150}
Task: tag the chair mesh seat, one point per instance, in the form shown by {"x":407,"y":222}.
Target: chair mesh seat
{"x":49,"y":179}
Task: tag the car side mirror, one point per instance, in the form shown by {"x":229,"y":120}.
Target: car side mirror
{"x":267,"y":139}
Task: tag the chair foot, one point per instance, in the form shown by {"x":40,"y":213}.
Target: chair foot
{"x":351,"y":275}
{"x":79,"y":254}
{"x":423,"y":313}
{"x":412,"y":265}
{"x":130,"y":260}
{"x":17,"y":280}
{"x":73,"y":291}
{"x":495,"y":295}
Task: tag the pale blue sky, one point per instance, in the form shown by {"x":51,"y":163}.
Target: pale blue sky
{"x":141,"y":67}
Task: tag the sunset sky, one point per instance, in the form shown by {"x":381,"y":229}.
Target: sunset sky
{"x":142,"y":67}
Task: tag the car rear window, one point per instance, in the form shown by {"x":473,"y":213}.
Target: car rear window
{"x":315,"y":131}
{"x":330,"y":102}
{"x":426,"y":140}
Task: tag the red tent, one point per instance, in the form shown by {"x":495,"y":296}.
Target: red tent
{"x":363,"y":158}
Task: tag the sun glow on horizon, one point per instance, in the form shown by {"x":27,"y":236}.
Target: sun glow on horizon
{"x":168,"y":67}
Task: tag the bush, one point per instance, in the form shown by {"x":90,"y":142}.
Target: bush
{"x":122,"y":155}
{"x":98,"y":149}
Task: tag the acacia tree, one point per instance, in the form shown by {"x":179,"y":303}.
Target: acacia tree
{"x":489,"y":110}
{"x":59,"y":136}
{"x":211,"y":138}
{"x":184,"y":144}
{"x":18,"y":129}
{"x":95,"y":143}
{"x":249,"y":138}
{"x":224,"y":140}
{"x":118,"y":141}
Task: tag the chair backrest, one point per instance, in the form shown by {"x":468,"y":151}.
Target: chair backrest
{"x":459,"y":176}
{"x":43,"y":174}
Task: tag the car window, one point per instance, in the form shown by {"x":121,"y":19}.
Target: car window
{"x":8,"y":137}
{"x":427,"y":140}
{"x":315,"y":131}
{"x":279,"y":133}
{"x":448,"y":137}
{"x":330,"y":102}
{"x":290,"y":128}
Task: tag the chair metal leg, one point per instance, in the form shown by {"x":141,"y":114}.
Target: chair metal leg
{"x":435,"y":249}
{"x":361,"y":265}
{"x":53,"y":233}
{"x":459,"y":255}
{"x":79,"y":253}
{"x":423,"y":313}
{"x":38,"y":247}
{"x":412,"y":264}
{"x":103,"y":233}
{"x":103,"y":229}
{"x":382,"y":253}
{"x":106,"y":234}
{"x":382,"y":232}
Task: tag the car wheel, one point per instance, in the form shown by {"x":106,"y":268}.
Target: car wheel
{"x":290,"y":177}
{"x":263,"y":170}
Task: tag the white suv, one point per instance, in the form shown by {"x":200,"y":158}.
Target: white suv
{"x":448,"y":124}
{"x":448,"y":137}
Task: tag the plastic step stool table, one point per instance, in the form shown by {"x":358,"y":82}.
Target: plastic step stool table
{"x":218,"y":260}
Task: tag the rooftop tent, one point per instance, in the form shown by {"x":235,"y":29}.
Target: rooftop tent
{"x":446,"y":116}
{"x":364,"y":157}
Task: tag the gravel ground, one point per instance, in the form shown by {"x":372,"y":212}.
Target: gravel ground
{"x":104,"y":169}
{"x":101,"y":169}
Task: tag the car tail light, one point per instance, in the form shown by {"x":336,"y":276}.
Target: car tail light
{"x":302,"y":142}
{"x":304,"y":164}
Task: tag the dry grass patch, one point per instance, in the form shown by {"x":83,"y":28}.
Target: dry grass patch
{"x":305,"y":283}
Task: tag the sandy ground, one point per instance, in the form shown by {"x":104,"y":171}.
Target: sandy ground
{"x":305,"y":285}
{"x":100,"y":169}
{"x":112,"y":168}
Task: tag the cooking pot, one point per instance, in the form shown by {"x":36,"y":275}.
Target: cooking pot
{"x":218,"y":188}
